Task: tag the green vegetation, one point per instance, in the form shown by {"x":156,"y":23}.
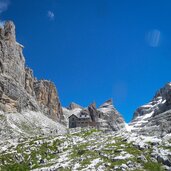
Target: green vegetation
{"x":150,"y":166}
{"x":15,"y":167}
{"x":19,"y":159}
{"x":89,"y":145}
{"x":24,"y":126}
{"x":85,"y":133}
{"x":166,"y":147}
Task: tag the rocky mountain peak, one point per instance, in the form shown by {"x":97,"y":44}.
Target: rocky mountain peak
{"x":164,"y":92}
{"x":92,"y":105}
{"x":19,"y":90}
{"x":93,"y":112}
{"x":154,"y":117}
{"x":74,"y":106}
{"x":107,"y":103}
{"x":161,"y":102}
{"x":9,"y":31}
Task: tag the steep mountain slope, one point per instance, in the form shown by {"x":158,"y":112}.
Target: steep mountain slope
{"x":28,"y":107}
{"x":154,"y":118}
{"x":15,"y":126}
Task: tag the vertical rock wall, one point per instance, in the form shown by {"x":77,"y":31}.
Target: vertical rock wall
{"x":19,"y":90}
{"x":47,"y":97}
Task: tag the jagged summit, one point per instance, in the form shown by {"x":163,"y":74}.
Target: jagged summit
{"x":154,"y":118}
{"x":74,"y":106}
{"x":160,"y":103}
{"x":106,"y":116}
{"x":8,"y":31}
{"x":107,"y":103}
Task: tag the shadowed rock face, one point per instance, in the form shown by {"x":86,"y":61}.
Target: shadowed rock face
{"x":93,"y":112}
{"x":19,"y":90}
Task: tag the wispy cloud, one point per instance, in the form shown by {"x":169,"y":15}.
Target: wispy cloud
{"x":51,"y":15}
{"x":4,"y":5}
{"x":153,"y":38}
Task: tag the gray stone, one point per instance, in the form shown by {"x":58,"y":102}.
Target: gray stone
{"x":142,"y":158}
{"x":157,"y":114}
{"x":165,"y":160}
{"x":48,"y":100}
{"x":111,"y":115}
{"x":93,"y":112}
{"x":29,"y":81}
{"x":19,"y":90}
{"x":74,"y":106}
{"x":105,"y":118}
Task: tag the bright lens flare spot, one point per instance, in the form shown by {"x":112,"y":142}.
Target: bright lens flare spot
{"x":153,"y":38}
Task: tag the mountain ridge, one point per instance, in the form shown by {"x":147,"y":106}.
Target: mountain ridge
{"x":20,"y":90}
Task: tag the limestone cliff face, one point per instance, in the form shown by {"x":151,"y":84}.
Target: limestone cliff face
{"x":12,"y":62}
{"x":29,"y":81}
{"x":19,"y":90}
{"x":47,"y":97}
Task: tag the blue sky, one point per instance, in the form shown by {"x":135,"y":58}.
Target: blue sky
{"x":94,"y":50}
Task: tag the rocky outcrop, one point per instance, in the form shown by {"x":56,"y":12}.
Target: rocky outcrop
{"x":106,"y":117}
{"x":107,"y":104}
{"x":47,"y":97}
{"x":13,"y":96}
{"x":74,"y":106}
{"x":29,"y":81}
{"x":111,"y":115}
{"x":94,"y":114}
{"x":154,"y":118}
{"x":12,"y":62}
{"x":19,"y":90}
{"x":160,"y":103}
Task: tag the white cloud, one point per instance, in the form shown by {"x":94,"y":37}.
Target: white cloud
{"x":4,"y":5}
{"x":51,"y":15}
